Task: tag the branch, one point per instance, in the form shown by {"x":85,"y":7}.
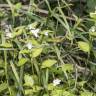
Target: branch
{"x":25,"y":7}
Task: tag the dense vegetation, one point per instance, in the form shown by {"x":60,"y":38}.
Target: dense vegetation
{"x":47,"y":47}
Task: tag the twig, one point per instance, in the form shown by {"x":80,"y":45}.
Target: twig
{"x":25,"y":7}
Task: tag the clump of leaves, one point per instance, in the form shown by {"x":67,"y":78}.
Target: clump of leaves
{"x":46,"y":56}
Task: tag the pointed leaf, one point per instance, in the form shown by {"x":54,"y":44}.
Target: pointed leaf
{"x":93,"y":15}
{"x":36,"y":52}
{"x":22,"y":61}
{"x":48,"y":63}
{"x":84,"y":46}
{"x":25,"y":51}
{"x":92,"y":34}
{"x":28,"y":80}
{"x":67,"y":67}
{"x":87,"y":93}
{"x":3,"y":86}
{"x":6,"y":45}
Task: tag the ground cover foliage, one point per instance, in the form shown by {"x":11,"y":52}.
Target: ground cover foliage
{"x":47,"y":47}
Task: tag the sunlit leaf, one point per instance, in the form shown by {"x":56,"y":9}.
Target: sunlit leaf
{"x":48,"y":63}
{"x":19,"y":32}
{"x":93,"y":15}
{"x":92,"y":34}
{"x":33,"y":90}
{"x":22,"y":61}
{"x":67,"y":67}
{"x":84,"y":46}
{"x":2,"y":72}
{"x":81,"y":83}
{"x":36,"y":52}
{"x":50,"y":86}
{"x":1,"y":63}
{"x":15,"y":72}
{"x":34,"y":42}
{"x":86,"y":93}
{"x":3,"y":86}
{"x":28,"y":91}
{"x":28,"y":80}
{"x":18,"y":6}
{"x":33,"y":25}
{"x":6,"y":45}
{"x":24,"y":51}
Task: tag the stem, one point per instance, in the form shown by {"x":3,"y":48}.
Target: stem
{"x":6,"y":67}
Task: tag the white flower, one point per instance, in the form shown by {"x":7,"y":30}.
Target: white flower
{"x":35,"y":32}
{"x":56,"y":82}
{"x":9,"y":35}
{"x":46,"y":33}
{"x":29,"y":45}
{"x":7,"y":31}
{"x":92,"y":29}
{"x":32,"y":26}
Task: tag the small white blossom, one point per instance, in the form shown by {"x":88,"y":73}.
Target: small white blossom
{"x":35,"y":32}
{"x":56,"y":82}
{"x":7,"y":31}
{"x":29,"y":45}
{"x":46,"y":33}
{"x":92,"y":29}
{"x":9,"y":35}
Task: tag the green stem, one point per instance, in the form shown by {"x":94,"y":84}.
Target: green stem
{"x":6,"y":70}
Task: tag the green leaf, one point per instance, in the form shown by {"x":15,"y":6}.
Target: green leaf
{"x":50,"y":86}
{"x":34,"y":89}
{"x":3,"y":86}
{"x":1,"y":63}
{"x":86,"y":93}
{"x":93,"y":15}
{"x":46,"y":31}
{"x":45,"y":95}
{"x":48,"y":63}
{"x":6,"y":45}
{"x":34,"y":42}
{"x":2,"y":13}
{"x":18,"y":31}
{"x":36,"y":52}
{"x":22,"y":61}
{"x":28,"y":80}
{"x":24,"y":51}
{"x":28,"y":92}
{"x":2,"y":72}
{"x":15,"y":72}
{"x":81,"y":83}
{"x":18,"y":6}
{"x":92,"y":34}
{"x":33,"y":25}
{"x":84,"y":46}
{"x":67,"y":67}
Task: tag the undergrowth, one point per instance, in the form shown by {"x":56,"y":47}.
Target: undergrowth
{"x":47,"y":48}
